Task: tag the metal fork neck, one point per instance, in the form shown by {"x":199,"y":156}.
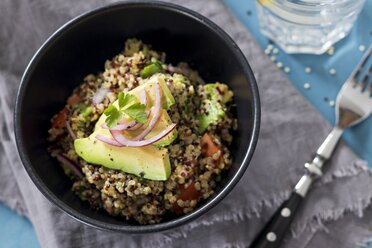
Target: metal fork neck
{"x":324,"y":152}
{"x":314,"y":168}
{"x":328,"y":146}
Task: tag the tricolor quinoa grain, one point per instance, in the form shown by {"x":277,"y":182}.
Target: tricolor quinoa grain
{"x":198,"y":159}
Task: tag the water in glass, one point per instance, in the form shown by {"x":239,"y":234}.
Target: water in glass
{"x":307,"y":26}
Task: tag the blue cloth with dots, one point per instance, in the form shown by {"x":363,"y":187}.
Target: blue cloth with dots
{"x":324,"y":83}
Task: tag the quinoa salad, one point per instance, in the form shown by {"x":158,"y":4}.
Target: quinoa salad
{"x":144,"y":140}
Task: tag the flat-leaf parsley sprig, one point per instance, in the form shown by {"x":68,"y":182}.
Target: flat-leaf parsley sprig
{"x":128,"y":105}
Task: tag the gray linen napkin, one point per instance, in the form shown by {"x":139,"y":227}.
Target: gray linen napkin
{"x":336,"y":214}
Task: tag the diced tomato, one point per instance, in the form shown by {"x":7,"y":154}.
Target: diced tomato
{"x":74,"y":99}
{"x":59,"y":121}
{"x":177,"y":209}
{"x":186,"y":194}
{"x":189,"y":193}
{"x":208,"y":147}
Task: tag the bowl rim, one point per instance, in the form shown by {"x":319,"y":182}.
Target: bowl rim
{"x":210,"y":203}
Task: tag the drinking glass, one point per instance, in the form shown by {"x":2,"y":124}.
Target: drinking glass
{"x":307,"y":26}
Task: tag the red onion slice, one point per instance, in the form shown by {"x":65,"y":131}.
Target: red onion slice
{"x":121,"y":139}
{"x":143,"y":97}
{"x":121,"y":126}
{"x":99,"y":95}
{"x":69,"y":129}
{"x":182,"y":69}
{"x":135,"y":127}
{"x":173,"y":69}
{"x":156,"y":115}
{"x":70,"y":164}
{"x":108,"y":140}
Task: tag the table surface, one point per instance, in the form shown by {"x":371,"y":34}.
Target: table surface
{"x":17,"y":231}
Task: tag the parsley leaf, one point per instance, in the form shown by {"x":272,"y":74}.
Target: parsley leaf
{"x":126,"y":100}
{"x":137,"y":112}
{"x":121,"y":100}
{"x":129,"y":105}
{"x":113,"y":117}
{"x":110,"y":110}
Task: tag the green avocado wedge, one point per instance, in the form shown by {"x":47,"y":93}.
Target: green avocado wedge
{"x":217,"y":96}
{"x":215,"y":112}
{"x":148,"y":162}
{"x":167,"y":97}
{"x":151,"y":161}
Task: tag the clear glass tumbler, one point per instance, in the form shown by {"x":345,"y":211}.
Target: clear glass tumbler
{"x":307,"y":26}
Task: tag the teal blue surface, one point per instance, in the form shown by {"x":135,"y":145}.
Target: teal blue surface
{"x":323,"y":84}
{"x":16,"y":231}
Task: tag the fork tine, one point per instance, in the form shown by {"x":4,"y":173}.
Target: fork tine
{"x":364,"y":81}
{"x":362,"y":63}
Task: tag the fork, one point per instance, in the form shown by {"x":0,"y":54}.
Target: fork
{"x":353,"y":105}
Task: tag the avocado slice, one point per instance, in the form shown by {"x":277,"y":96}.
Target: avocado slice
{"x":151,"y":162}
{"x":218,"y":92}
{"x":167,"y":97}
{"x":214,"y":113}
{"x":148,"y":162}
{"x":151,"y":69}
{"x":164,"y":119}
{"x":217,"y":96}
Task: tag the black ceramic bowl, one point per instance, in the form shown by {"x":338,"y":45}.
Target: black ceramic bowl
{"x":81,"y":47}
